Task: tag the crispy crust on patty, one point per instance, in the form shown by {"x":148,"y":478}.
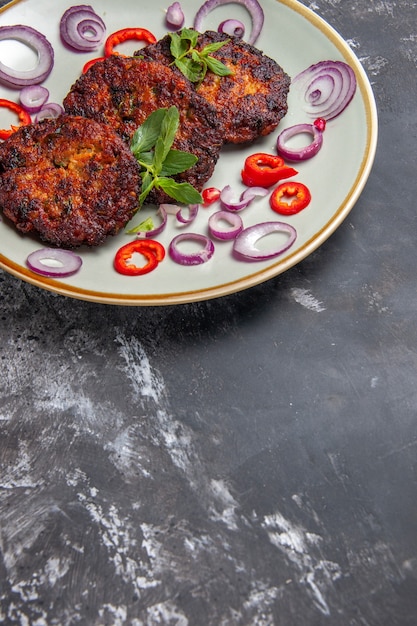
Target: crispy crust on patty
{"x":123,"y":91}
{"x":252,"y":100}
{"x":70,"y":180}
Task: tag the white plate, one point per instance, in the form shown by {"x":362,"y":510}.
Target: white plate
{"x":295,"y":37}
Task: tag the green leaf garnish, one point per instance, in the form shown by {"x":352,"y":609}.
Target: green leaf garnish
{"x":177,"y":161}
{"x":152,"y":147}
{"x":143,"y":227}
{"x":194,"y":63}
{"x":181,"y":192}
{"x":145,"y":136}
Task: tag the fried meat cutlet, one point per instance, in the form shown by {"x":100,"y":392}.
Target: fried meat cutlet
{"x":70,"y":180}
{"x":252,"y":100}
{"x":123,"y":91}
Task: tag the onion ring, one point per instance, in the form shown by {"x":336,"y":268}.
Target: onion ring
{"x":50,"y":110}
{"x":64,"y":262}
{"x":232,"y":219}
{"x":253,"y":7}
{"x":328,"y":88}
{"x":303,"y":153}
{"x":191,"y":258}
{"x":244,"y":246}
{"x":234,"y":28}
{"x":16,"y":79}
{"x":33,"y":97}
{"x":81,"y":28}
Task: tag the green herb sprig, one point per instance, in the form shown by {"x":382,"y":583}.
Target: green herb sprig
{"x":152,"y":147}
{"x":194,"y":63}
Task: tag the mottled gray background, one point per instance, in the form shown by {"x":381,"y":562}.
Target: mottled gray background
{"x":244,"y":461}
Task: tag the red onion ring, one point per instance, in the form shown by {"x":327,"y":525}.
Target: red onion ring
{"x":50,"y":110}
{"x":233,"y":219}
{"x":234,"y":28}
{"x":16,"y":79}
{"x":244,"y":246}
{"x":175,"y":209}
{"x":67,"y":262}
{"x":191,"y":258}
{"x":81,"y":28}
{"x":328,"y":88}
{"x":303,"y":153}
{"x":228,"y":201}
{"x":174,"y":16}
{"x":158,"y":229}
{"x":33,"y":97}
{"x":192,"y":214}
{"x":254,"y":192}
{"x":254,"y":8}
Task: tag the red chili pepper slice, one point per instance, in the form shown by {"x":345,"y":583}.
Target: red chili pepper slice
{"x":320,"y":124}
{"x":153,"y":251}
{"x":290,"y":198}
{"x":210,"y":195}
{"x":126,"y":34}
{"x":23,"y":115}
{"x":91,"y":62}
{"x":264,"y":170}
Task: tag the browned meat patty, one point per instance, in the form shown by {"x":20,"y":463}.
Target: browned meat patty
{"x":252,"y":100}
{"x":123,"y":91}
{"x":71,"y":181}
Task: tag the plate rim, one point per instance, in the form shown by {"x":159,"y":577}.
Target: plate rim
{"x":273,"y":270}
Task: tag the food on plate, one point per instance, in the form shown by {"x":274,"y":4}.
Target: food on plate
{"x":70,"y":180}
{"x":251,"y":100}
{"x":123,"y":91}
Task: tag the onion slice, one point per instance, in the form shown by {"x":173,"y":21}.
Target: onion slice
{"x":234,"y":28}
{"x":229,"y":202}
{"x":192,"y":213}
{"x":16,"y":79}
{"x":216,"y":229}
{"x":254,"y":8}
{"x":54,"y":262}
{"x":33,"y":97}
{"x":81,"y":28}
{"x":244,"y":246}
{"x":327,"y":87}
{"x":303,"y":153}
{"x":191,"y":258}
{"x":50,"y":110}
{"x":175,"y":16}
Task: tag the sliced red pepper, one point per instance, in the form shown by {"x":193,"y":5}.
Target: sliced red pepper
{"x":153,"y":251}
{"x":23,"y":115}
{"x":210,"y":195}
{"x":91,"y":62}
{"x":264,"y":170}
{"x":320,"y":124}
{"x":127,"y":34}
{"x":290,"y":198}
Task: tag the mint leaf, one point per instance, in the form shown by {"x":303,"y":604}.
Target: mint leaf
{"x":213,"y":47}
{"x":178,"y":46}
{"x":152,"y":147}
{"x":166,"y":137}
{"x":217,"y":67}
{"x":181,"y":192}
{"x":146,"y":134}
{"x":177,"y":161}
{"x":145,"y":159}
{"x":194,"y":63}
{"x":191,"y":35}
{"x":148,"y":182}
{"x":190,"y":69}
{"x":143,"y":227}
